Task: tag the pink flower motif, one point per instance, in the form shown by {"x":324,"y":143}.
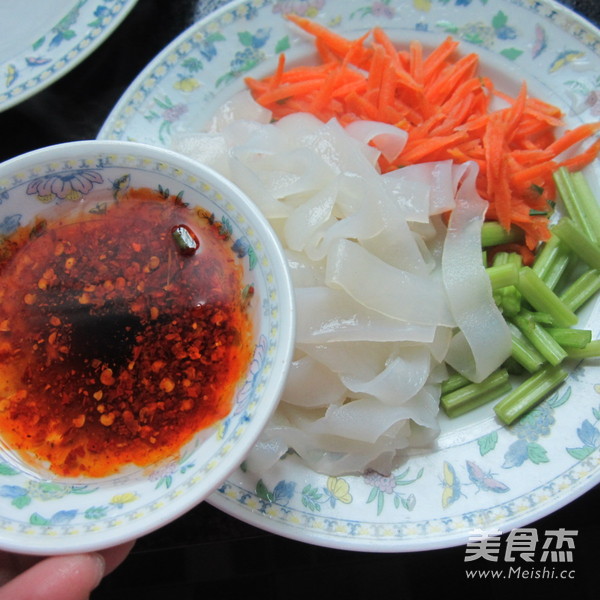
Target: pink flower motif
{"x":174,"y":112}
{"x":384,"y":483}
{"x":298,"y":7}
{"x":164,"y":471}
{"x":382,"y":9}
{"x":70,"y":186}
{"x":593,"y":102}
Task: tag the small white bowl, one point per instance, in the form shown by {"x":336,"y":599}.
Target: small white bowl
{"x":42,"y":513}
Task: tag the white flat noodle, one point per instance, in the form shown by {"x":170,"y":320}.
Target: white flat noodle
{"x":444,"y":180}
{"x":333,"y":454}
{"x":440,"y":344}
{"x":298,"y":125}
{"x":410,"y":195}
{"x":250,"y":183}
{"x":326,"y":315}
{"x":387,"y":295}
{"x":397,"y":245}
{"x":310,"y":384}
{"x":425,"y":189}
{"x":366,"y":420}
{"x":309,"y":218}
{"x":304,"y":272}
{"x":404,"y":375}
{"x":340,"y":151}
{"x":360,"y":359}
{"x":364,"y":224}
{"x":483,"y":341}
{"x":266,"y":453}
{"x":388,"y":139}
{"x":240,"y":106}
{"x":208,"y":149}
{"x":381,"y":287}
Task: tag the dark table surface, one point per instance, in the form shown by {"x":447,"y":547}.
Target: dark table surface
{"x":205,"y":553}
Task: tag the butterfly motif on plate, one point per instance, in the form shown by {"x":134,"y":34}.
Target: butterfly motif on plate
{"x":451,"y":484}
{"x":484,"y":481}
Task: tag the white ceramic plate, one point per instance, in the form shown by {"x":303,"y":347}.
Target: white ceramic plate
{"x":41,"y":40}
{"x":481,"y":475}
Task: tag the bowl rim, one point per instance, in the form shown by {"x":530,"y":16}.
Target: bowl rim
{"x":83,"y":149}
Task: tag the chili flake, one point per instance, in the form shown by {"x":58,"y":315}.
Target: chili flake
{"x":115,"y":348}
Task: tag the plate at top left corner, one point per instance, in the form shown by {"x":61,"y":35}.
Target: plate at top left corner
{"x":42,"y":40}
{"x":481,"y":475}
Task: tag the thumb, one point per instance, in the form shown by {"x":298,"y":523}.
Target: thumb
{"x":57,"y":578}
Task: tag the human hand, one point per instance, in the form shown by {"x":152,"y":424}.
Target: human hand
{"x":70,"y":577}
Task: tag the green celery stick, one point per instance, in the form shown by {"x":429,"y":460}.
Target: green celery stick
{"x":523,"y":351}
{"x":574,"y":206}
{"x":543,"y":299}
{"x":552,"y":261}
{"x":581,"y":290}
{"x":541,"y":340}
{"x":578,"y":242}
{"x":529,"y":393}
{"x":493,"y":234}
{"x":502,"y":276}
{"x":454,"y":382}
{"x":588,"y":202}
{"x":570,"y":338}
{"x":592,"y":350}
{"x":471,"y":396}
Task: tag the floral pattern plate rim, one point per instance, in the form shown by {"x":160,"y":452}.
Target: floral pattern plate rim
{"x":46,"y":53}
{"x":49,"y":515}
{"x":481,"y":475}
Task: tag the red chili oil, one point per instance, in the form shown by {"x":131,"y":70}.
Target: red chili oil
{"x":117,"y":345}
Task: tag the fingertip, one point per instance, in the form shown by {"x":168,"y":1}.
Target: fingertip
{"x":99,"y":567}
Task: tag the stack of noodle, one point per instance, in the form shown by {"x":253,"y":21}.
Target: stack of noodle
{"x":388,"y":291}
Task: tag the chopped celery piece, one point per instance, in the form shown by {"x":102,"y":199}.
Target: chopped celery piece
{"x":454,"y":382}
{"x":493,"y":234}
{"x":543,"y":299}
{"x":573,"y":204}
{"x":540,"y":317}
{"x":581,"y":290}
{"x":473,"y":395}
{"x":541,"y":340}
{"x":570,"y":338}
{"x":578,"y":242}
{"x":552,"y":261}
{"x":588,"y":202}
{"x":507,"y":297}
{"x":592,"y":350}
{"x":513,"y":367}
{"x":502,"y":276}
{"x":529,"y":393}
{"x":523,"y":351}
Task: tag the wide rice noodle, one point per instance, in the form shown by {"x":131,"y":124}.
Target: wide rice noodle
{"x":387,"y":294}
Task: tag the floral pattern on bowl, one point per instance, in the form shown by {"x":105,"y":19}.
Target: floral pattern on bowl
{"x":480,"y":475}
{"x":45,"y":516}
{"x":54,"y":50}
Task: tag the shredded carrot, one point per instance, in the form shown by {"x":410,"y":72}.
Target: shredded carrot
{"x":445,"y":106}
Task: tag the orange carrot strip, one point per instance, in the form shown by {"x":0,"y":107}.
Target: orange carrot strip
{"x":337,"y":43}
{"x":526,"y":176}
{"x":427,"y":147}
{"x":582,"y":160}
{"x":572,"y":137}
{"x":438,"y":56}
{"x":416,"y":61}
{"x":440,"y":90}
{"x":446,"y":108}
{"x":276,"y":79}
{"x":292,"y":89}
